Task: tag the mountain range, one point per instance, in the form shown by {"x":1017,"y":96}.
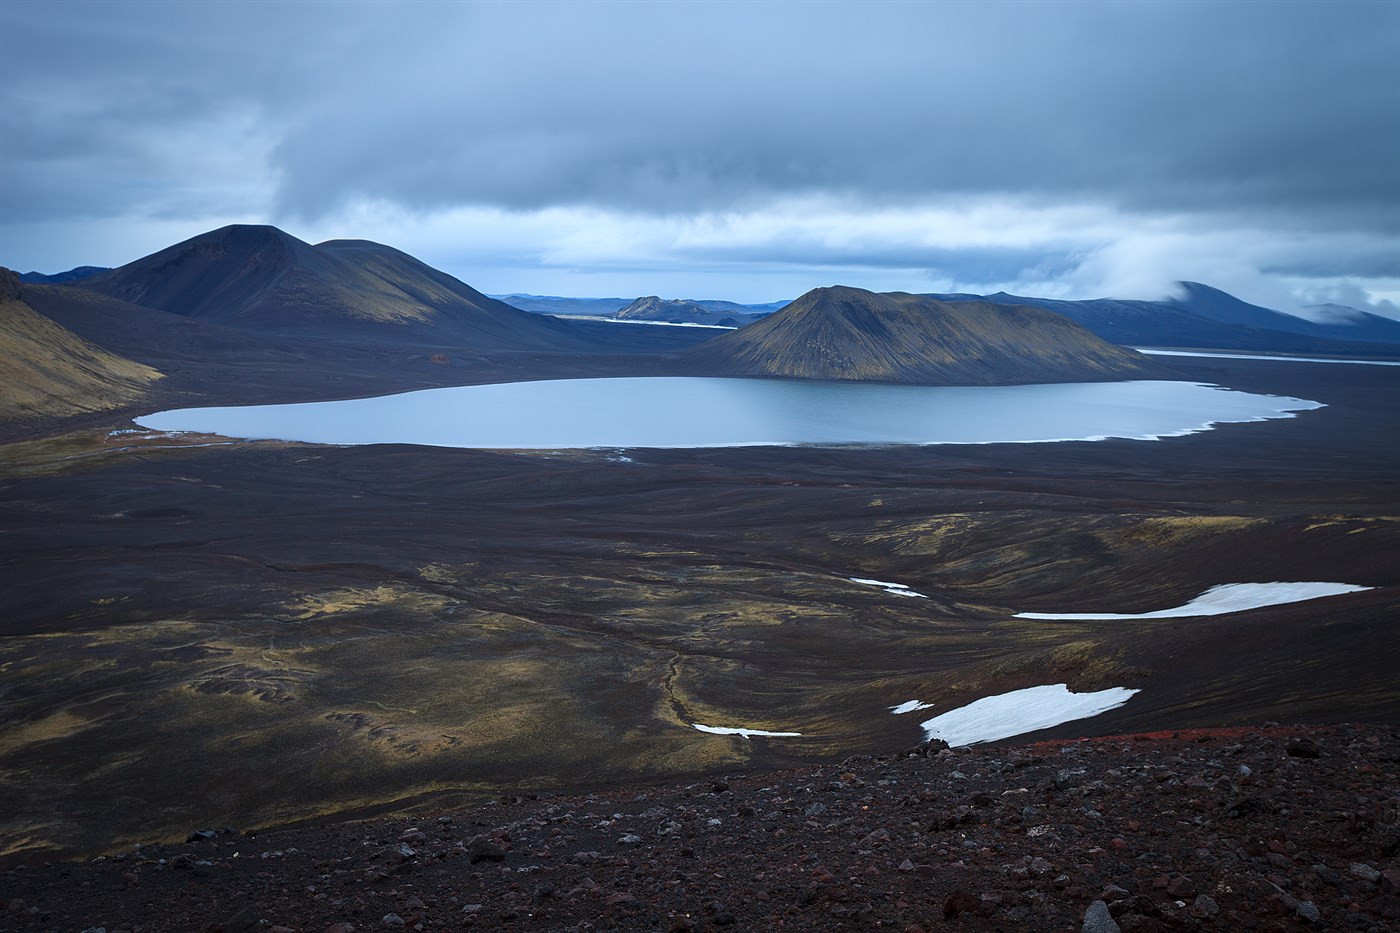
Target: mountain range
{"x":253,"y":307}
{"x":260,"y":277}
{"x":1201,"y":317}
{"x":851,"y":334}
{"x":58,"y":278}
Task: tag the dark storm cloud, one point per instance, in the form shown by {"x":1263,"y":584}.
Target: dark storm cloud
{"x":1367,"y":264}
{"x":1106,"y":147}
{"x":1189,"y":106}
{"x":681,"y":107}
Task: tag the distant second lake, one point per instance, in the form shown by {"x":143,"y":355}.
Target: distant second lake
{"x":714,"y":412}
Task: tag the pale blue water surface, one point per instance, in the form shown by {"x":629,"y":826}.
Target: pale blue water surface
{"x":712,"y":412}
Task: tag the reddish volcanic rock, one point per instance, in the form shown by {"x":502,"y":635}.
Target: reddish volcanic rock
{"x":1130,"y":832}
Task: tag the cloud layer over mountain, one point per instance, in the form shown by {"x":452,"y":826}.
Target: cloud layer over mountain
{"x":736,"y":150}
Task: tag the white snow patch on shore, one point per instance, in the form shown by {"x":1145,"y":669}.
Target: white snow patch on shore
{"x":1219,"y":600}
{"x":909,"y":707}
{"x":746,"y":733}
{"x":1019,"y":712}
{"x":898,"y":589}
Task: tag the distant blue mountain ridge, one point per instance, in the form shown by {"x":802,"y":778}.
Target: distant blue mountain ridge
{"x":58,"y":278}
{"x":1202,"y":318}
{"x":1208,"y":318}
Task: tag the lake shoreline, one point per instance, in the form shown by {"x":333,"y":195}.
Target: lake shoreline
{"x":680,"y":412}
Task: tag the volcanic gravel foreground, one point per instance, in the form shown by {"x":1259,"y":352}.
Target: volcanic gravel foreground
{"x":1276,"y":828}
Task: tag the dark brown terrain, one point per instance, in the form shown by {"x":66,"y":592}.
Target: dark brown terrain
{"x":371,"y":628}
{"x":1269,"y":829}
{"x":200,"y":632}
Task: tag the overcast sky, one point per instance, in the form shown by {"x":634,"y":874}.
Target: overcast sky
{"x":736,"y":150}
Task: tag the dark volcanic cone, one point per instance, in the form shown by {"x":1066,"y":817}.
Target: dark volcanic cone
{"x":48,"y":370}
{"x":261,"y":278}
{"x":850,"y":333}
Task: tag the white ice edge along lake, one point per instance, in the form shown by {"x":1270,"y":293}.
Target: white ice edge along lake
{"x":686,"y":412}
{"x":1259,"y":356}
{"x":1219,"y":600}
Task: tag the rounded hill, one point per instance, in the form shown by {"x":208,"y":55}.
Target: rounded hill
{"x":849,"y":333}
{"x":258,"y":277}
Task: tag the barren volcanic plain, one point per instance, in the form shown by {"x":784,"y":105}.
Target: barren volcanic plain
{"x":205,"y":631}
{"x":201,"y":632}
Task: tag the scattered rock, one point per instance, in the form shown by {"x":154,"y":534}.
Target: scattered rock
{"x":1303,"y":747}
{"x":1181,"y":887}
{"x":874,"y":843}
{"x":243,"y":920}
{"x":485,"y":849}
{"x":1204,"y":907}
{"x":960,"y":902}
{"x":1364,"y":872}
{"x":1097,"y":919}
{"x":876,"y":838}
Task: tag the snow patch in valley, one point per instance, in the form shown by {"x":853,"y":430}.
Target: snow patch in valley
{"x":898,"y":589}
{"x":1019,"y":712}
{"x":1219,"y":600}
{"x":909,"y":706}
{"x":746,"y":733}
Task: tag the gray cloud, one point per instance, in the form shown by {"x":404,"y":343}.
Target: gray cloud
{"x":968,"y":264}
{"x":682,"y":107}
{"x":1272,"y":116}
